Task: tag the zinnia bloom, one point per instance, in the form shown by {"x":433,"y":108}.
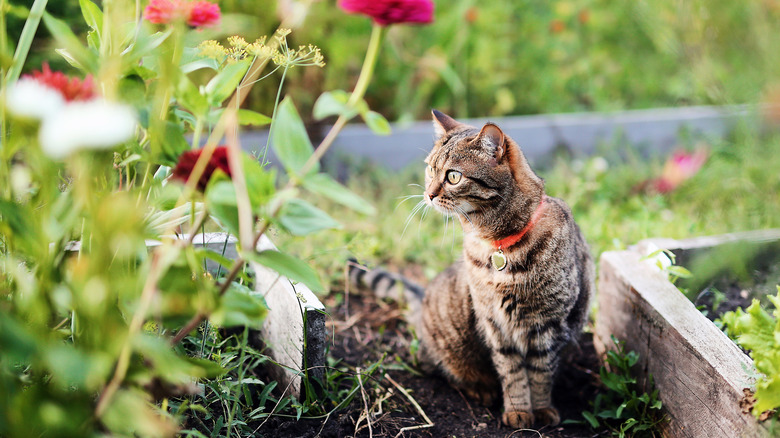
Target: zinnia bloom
{"x":72,"y":89}
{"x":30,"y":98}
{"x":187,"y":160}
{"x":162,"y":11}
{"x":203,"y":14}
{"x":679,"y":168}
{"x":94,"y":124}
{"x":200,"y":13}
{"x":385,"y":12}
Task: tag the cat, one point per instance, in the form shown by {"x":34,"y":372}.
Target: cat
{"x":495,"y":321}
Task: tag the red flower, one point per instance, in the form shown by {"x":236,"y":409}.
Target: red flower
{"x":188,"y":159}
{"x":72,"y":89}
{"x":203,"y":14}
{"x":679,"y":168}
{"x":200,"y":13}
{"x":385,"y":12}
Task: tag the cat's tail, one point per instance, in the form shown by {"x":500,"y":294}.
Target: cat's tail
{"x":387,"y":285}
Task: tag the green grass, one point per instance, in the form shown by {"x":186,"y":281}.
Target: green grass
{"x":738,"y":189}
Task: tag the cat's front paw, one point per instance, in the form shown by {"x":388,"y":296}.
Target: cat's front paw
{"x":518,"y":419}
{"x":547,"y":416}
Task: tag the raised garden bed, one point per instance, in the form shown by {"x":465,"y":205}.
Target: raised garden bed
{"x":700,"y":373}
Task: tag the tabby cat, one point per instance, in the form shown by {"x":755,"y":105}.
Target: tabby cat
{"x":497,"y":320}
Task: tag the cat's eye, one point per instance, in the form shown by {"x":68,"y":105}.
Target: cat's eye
{"x":429,"y":170}
{"x":453,"y":176}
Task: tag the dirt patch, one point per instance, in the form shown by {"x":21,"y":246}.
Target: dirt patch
{"x":399,"y":398}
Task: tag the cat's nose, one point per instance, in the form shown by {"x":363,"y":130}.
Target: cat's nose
{"x":431,"y":196}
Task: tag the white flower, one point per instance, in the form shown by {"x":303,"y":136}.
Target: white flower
{"x":94,"y":124}
{"x":30,"y":98}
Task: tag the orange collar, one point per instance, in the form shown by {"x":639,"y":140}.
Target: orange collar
{"x":513,"y":239}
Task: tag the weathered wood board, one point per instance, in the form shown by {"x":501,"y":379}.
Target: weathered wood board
{"x":699,"y":372}
{"x":293,"y":331}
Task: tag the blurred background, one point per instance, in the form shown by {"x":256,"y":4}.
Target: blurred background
{"x":481,"y":59}
{"x":507,"y":57}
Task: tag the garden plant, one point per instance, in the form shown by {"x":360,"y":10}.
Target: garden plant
{"x":121,"y":124}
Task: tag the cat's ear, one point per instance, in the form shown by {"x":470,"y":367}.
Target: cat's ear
{"x":492,"y":138}
{"x":442,"y":123}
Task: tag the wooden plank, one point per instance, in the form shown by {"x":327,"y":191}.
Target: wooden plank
{"x":699,"y":372}
{"x":294,"y":330}
{"x":653,"y":131}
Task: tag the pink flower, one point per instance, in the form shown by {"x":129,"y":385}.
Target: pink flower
{"x":385,"y":12}
{"x":162,"y":11}
{"x":203,"y":14}
{"x":200,"y":13}
{"x":187,"y":162}
{"x":679,"y":168}
{"x":72,"y":89}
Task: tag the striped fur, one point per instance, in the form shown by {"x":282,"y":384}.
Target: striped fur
{"x":500,"y":332}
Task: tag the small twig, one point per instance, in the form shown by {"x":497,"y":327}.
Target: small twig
{"x":525,"y":430}
{"x":367,"y":413}
{"x":411,"y":399}
{"x":467,"y":404}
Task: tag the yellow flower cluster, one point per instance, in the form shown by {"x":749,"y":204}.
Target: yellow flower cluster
{"x":277,"y":51}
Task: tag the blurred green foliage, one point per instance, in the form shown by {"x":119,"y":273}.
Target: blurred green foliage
{"x":508,"y":57}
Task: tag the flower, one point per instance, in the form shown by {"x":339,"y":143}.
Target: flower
{"x":200,"y":13}
{"x":656,"y":257}
{"x":187,"y":160}
{"x":679,"y":168}
{"x":385,"y":12}
{"x":72,"y":89}
{"x":30,"y":98}
{"x":94,"y":124}
{"x":162,"y":11}
{"x":203,"y":13}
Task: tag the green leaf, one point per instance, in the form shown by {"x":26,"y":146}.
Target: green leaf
{"x":333,"y":103}
{"x":248,"y":117}
{"x":144,"y":45}
{"x":221,"y":202}
{"x":17,"y":344}
{"x":594,"y":423}
{"x":221,"y":86}
{"x":239,"y":307}
{"x":92,"y":15}
{"x":169,"y":365}
{"x":290,"y":140}
{"x":173,"y":145}
{"x":324,"y":185}
{"x":288,"y":266}
{"x":301,"y":218}
{"x":259,"y":183}
{"x":71,"y":367}
{"x":377,"y":123}
{"x":190,"y":98}
{"x":73,"y":50}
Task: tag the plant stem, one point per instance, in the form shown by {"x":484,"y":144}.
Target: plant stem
{"x":273,"y":115}
{"x":357,"y":94}
{"x":26,"y":39}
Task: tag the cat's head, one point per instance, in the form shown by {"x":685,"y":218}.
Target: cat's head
{"x":473,"y":172}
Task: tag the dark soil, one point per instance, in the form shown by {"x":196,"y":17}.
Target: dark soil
{"x":365,"y":332}
{"x":727,"y":293}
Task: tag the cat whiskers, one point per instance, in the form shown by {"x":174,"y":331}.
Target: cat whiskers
{"x":420,"y":206}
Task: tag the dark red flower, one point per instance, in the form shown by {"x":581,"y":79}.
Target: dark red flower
{"x":187,"y":160}
{"x":72,"y":89}
{"x":385,"y":12}
{"x":203,"y":14}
